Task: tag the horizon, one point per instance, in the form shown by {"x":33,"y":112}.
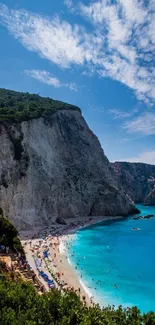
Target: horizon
{"x":97,"y":55}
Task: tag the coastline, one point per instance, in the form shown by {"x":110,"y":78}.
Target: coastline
{"x":58,"y":259}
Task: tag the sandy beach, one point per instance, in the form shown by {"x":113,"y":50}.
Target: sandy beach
{"x":56,"y":264}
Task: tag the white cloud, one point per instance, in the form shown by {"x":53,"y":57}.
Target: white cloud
{"x":45,"y":77}
{"x":133,"y":10}
{"x":147,"y":157}
{"x":117,"y":114}
{"x":53,"y":39}
{"x":68,"y":3}
{"x":143,"y":124}
{"x":120,"y":44}
{"x":129,"y":42}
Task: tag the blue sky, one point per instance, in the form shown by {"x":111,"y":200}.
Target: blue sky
{"x":98,"y":55}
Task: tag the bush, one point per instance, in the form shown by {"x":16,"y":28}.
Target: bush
{"x":18,"y":107}
{"x":9,"y":236}
{"x":20,"y":304}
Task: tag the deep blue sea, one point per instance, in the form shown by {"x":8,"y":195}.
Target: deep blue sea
{"x":117,"y":264}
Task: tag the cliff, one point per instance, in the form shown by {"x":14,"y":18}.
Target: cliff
{"x":150,"y":199}
{"x":54,"y":166}
{"x":137,"y":179}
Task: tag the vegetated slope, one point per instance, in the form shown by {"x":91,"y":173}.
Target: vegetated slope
{"x":137,"y":179}
{"x":20,"y":304}
{"x":18,"y":106}
{"x":9,"y":235}
{"x":53,"y":165}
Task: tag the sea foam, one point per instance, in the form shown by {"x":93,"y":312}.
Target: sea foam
{"x":87,"y":291}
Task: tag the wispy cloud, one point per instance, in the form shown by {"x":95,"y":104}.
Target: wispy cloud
{"x":68,"y":3}
{"x":46,"y":78}
{"x":53,"y":39}
{"x":117,"y":114}
{"x":143,"y":124}
{"x":127,"y":28}
{"x":130,"y":139}
{"x":120,"y":44}
{"x":147,"y":157}
{"x":94,"y":108}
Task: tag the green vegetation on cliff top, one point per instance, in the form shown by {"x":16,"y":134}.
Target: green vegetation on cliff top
{"x":17,"y":106}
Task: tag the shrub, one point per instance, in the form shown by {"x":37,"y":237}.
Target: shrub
{"x":18,"y":107}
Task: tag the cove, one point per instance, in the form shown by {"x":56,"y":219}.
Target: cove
{"x":117,"y":264}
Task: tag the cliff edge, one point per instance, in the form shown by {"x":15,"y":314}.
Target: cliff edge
{"x":54,"y":166}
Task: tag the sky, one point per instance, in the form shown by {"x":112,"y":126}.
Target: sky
{"x":98,"y":55}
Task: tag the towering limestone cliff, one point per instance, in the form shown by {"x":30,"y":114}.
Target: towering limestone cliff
{"x":138,"y":181}
{"x":51,"y":164}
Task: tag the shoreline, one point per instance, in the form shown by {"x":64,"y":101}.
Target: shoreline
{"x":58,"y":259}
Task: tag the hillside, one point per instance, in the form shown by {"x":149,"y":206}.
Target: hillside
{"x":20,"y":304}
{"x":54,"y":166}
{"x":137,"y":179}
{"x":9,"y":236}
{"x":18,"y":106}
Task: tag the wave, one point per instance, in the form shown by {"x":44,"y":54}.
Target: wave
{"x":62,"y":246}
{"x":87,"y":291}
{"x":69,"y":261}
{"x":85,"y":288}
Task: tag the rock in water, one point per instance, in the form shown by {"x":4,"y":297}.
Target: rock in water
{"x":55,"y":166}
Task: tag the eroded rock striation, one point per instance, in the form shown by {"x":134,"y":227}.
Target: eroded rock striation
{"x":138,"y":180}
{"x":55,"y":167}
{"x":150,"y":199}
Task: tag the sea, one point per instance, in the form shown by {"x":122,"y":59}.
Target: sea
{"x":115,"y":264}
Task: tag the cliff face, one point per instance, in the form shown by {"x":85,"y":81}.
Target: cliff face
{"x":137,"y":179}
{"x":56,"y":167}
{"x":150,"y":199}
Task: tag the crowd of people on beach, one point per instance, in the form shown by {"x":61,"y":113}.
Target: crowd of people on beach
{"x":45,"y":265}
{"x":45,"y":252}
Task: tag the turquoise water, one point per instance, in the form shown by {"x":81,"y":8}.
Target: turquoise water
{"x":116,"y":263}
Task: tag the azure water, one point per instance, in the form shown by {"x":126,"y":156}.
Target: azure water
{"x":117,"y":264}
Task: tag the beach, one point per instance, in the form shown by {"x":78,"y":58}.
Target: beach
{"x":101,"y":274}
{"x":56,"y":265}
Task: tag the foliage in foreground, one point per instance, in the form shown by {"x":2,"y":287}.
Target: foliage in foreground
{"x":18,"y":106}
{"x":21,"y":305}
{"x":9,"y":235}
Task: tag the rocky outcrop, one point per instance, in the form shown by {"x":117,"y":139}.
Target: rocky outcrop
{"x":60,"y":221}
{"x":150,"y":199}
{"x":137,"y":179}
{"x":56,"y":167}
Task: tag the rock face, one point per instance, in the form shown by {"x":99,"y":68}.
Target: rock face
{"x":56,"y":167}
{"x":60,"y":221}
{"x":137,"y":179}
{"x":150,"y":199}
